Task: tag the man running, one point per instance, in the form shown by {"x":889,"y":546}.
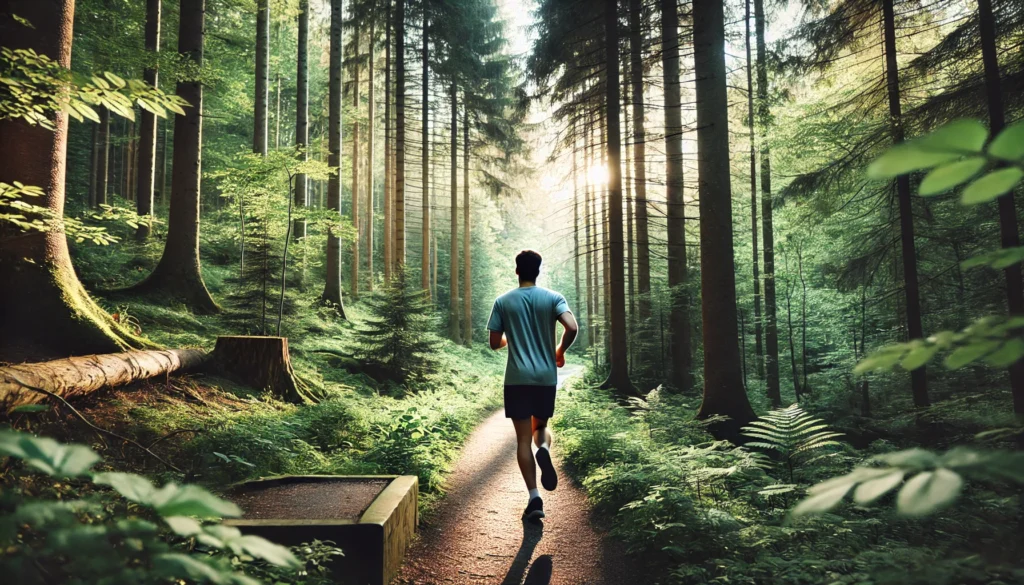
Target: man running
{"x":524,"y":320}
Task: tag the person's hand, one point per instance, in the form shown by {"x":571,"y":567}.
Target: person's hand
{"x":559,"y":357}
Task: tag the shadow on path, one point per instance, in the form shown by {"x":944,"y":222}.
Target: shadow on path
{"x":532,"y":533}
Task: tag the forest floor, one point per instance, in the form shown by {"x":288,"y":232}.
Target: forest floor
{"x":476,"y":535}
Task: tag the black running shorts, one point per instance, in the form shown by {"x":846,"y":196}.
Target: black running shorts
{"x":523,"y":402}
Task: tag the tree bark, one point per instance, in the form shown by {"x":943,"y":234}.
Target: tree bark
{"x":758,"y":347}
{"x":261,"y":362}
{"x":467,"y":252}
{"x":301,"y":196}
{"x":103,"y":162}
{"x":389,"y":240}
{"x":577,"y":300}
{"x":723,"y":387}
{"x":44,"y":310}
{"x":627,"y":186}
{"x":355,"y":171}
{"x":178,"y":273}
{"x":681,"y":359}
{"x":370,"y":119}
{"x":643,"y":254}
{"x":262,"y":98}
{"x":425,"y":150}
{"x":148,"y":134}
{"x":75,"y":377}
{"x":618,"y":377}
{"x":771,"y":329}
{"x":453,"y":268}
{"x":399,"y":133}
{"x":918,"y":377}
{"x":332,"y":288}
{"x":1008,"y":231}
{"x":589,"y":330}
{"x":94,"y":159}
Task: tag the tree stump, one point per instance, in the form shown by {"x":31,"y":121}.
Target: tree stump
{"x":79,"y":376}
{"x":261,"y":362}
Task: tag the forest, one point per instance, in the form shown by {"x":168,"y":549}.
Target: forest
{"x":251,"y":239}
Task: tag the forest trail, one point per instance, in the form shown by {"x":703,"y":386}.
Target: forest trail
{"x":477,"y":536}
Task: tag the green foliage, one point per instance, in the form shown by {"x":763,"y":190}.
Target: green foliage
{"x":33,"y":86}
{"x":934,"y":482}
{"x":91,"y":540}
{"x":956,"y":153}
{"x":794,"y":434}
{"x":397,"y":336}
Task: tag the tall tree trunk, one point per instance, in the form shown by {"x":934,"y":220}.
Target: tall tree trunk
{"x":370,"y":119}
{"x":399,"y":133}
{"x":301,"y":197}
{"x":103,"y":163}
{"x":618,"y":377}
{"x":164,"y":191}
{"x":577,"y":300}
{"x":723,"y":388}
{"x":262,"y":99}
{"x":277,"y":116}
{"x":803,"y":315}
{"x":355,"y":171}
{"x":605,"y":268}
{"x":94,"y":160}
{"x":864,"y":388}
{"x":467,"y":253}
{"x":453,"y":262}
{"x":627,"y":184}
{"x":128,"y":154}
{"x":46,"y":312}
{"x":758,"y":347}
{"x":178,"y":272}
{"x":771,"y":329}
{"x":789,"y":326}
{"x":425,"y":150}
{"x":918,"y":377}
{"x":679,"y":317}
{"x":389,"y":239}
{"x":1009,"y":235}
{"x":332,"y":288}
{"x":589,"y":331}
{"x":148,"y":134}
{"x":643,"y":254}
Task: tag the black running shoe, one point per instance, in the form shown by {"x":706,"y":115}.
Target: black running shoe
{"x":548,"y":477}
{"x":534,"y":510}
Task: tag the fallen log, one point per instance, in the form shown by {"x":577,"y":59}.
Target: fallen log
{"x":261,"y":362}
{"x":80,"y":376}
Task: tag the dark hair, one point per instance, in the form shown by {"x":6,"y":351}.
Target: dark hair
{"x":528,"y":265}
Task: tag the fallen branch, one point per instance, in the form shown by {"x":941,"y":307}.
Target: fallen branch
{"x":102,"y":430}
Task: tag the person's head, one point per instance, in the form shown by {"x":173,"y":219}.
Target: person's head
{"x":528,"y":265}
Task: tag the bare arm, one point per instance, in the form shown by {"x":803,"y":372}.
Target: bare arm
{"x":572,"y":329}
{"x":497,"y":340}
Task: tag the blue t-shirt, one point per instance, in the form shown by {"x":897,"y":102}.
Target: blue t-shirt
{"x":527,"y":316}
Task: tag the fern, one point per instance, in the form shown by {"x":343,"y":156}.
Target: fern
{"x":796,"y":435}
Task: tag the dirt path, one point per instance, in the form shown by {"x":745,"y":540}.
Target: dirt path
{"x":477,"y":536}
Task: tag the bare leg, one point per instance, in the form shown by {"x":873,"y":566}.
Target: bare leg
{"x":524,"y":452}
{"x":541,"y":433}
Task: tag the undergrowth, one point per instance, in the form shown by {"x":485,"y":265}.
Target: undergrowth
{"x":699,"y":510}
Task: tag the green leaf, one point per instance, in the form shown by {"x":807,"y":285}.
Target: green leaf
{"x":907,"y":158}
{"x":928,"y":492}
{"x":883,"y":359}
{"x":913,"y":458}
{"x":965,"y":134}
{"x":992,"y":185}
{"x":132,"y":487}
{"x":824,"y":500}
{"x":114,"y":79}
{"x":945,"y":177}
{"x":999,"y":259}
{"x":1009,"y":145}
{"x":872,"y":489}
{"x":190,"y":500}
{"x":966,"y":354}
{"x":919,"y":355}
{"x":181,"y":566}
{"x":47,"y":455}
{"x":272,"y":553}
{"x":1008,"y":354}
{"x":183,"y":525}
